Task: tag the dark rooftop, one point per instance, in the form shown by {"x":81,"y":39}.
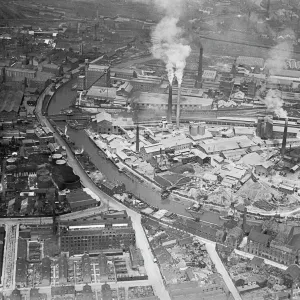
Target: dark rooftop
{"x":10,"y":101}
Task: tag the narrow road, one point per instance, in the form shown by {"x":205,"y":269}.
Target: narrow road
{"x":211,"y":249}
{"x":152,"y":269}
{"x":267,"y":261}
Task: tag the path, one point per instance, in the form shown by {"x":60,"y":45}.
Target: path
{"x":211,"y":249}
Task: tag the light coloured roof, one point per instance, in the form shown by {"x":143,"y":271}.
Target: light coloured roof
{"x":281,"y":129}
{"x":250,"y":61}
{"x":211,"y":146}
{"x":287,"y":73}
{"x":153,"y":148}
{"x":209,"y":74}
{"x":243,"y":130}
{"x":103,"y":116}
{"x":267,"y":164}
{"x":157,"y":99}
{"x":199,"y":153}
{"x":174,"y":141}
{"x":122,"y":71}
{"x":102,"y":92}
{"x":122,"y":155}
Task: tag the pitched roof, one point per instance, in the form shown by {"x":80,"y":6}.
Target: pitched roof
{"x":103,"y":116}
{"x":293,"y":271}
{"x":256,"y":261}
{"x":258,"y":237}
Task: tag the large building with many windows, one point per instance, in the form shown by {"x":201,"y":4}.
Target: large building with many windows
{"x":97,"y":75}
{"x":17,"y":72}
{"x":108,"y":232}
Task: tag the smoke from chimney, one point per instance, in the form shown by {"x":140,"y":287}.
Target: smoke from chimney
{"x":283,"y":147}
{"x":169,"y":46}
{"x":168,"y":43}
{"x":169,"y":113}
{"x":279,"y":54}
{"x":274,"y":103}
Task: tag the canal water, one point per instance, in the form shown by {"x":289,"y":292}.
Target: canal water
{"x":62,"y":100}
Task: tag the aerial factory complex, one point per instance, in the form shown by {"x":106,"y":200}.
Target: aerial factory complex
{"x":149,"y":150}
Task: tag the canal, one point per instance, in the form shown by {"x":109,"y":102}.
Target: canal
{"x":62,"y":100}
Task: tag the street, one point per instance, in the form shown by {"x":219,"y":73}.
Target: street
{"x":211,"y":249}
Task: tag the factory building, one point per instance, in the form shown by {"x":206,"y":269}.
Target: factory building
{"x":52,"y":68}
{"x":121,"y":73}
{"x":251,"y":62}
{"x":41,"y":80}
{"x":210,"y":80}
{"x":214,"y":147}
{"x":266,"y":130}
{"x":197,"y":131}
{"x":97,"y":75}
{"x":112,"y":231}
{"x":264,"y":127}
{"x":107,"y":125}
{"x":159,"y":102}
{"x":177,"y":143}
{"x":263,"y":245}
{"x":81,"y":83}
{"x":278,"y":132}
{"x":136,"y":258}
{"x":101,"y":94}
{"x":226,"y":84}
{"x":248,"y":87}
{"x":16,"y":72}
{"x":145,"y":84}
{"x":147,"y":152}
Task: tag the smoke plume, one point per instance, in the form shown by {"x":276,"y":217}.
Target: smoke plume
{"x":274,"y":103}
{"x":278,"y":56}
{"x":168,"y":45}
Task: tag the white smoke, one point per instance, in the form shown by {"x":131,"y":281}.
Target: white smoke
{"x":274,"y":103}
{"x":278,"y":56}
{"x":168,"y":45}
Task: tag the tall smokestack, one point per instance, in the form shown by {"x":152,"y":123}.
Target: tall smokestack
{"x":169,"y":113}
{"x":137,"y":142}
{"x":86,"y":72}
{"x":178,"y":107}
{"x":200,"y":67}
{"x":268,"y":8}
{"x":284,"y":137}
